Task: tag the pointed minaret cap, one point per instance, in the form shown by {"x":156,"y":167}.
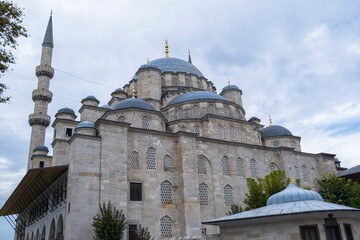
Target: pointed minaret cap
{"x":48,"y":39}
{"x":189,"y":60}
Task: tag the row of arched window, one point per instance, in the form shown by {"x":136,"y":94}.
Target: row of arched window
{"x":55,"y":233}
{"x":145,"y":121}
{"x":196,"y":113}
{"x":134,"y":162}
{"x":188,"y":82}
{"x":304,"y":173}
{"x":232,"y":133}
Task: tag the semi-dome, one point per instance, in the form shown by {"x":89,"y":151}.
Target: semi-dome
{"x":85,"y":124}
{"x":41,"y":148}
{"x":230,"y":87}
{"x":275,"y":131}
{"x":292,"y":193}
{"x":66,"y":110}
{"x":133,"y":103}
{"x":197,"y":95}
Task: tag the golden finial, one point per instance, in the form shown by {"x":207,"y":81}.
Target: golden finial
{"x":166,"y":49}
{"x":51,"y":12}
{"x":189,"y":52}
{"x":290,"y":180}
{"x":148,"y":62}
{"x":133,"y":91}
{"x":229,"y":81}
{"x":270,"y":120}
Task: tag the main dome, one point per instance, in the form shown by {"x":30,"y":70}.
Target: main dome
{"x":190,"y":96}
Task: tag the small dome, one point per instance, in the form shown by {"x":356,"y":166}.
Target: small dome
{"x":197,"y":95}
{"x":275,"y":131}
{"x":90,"y":97}
{"x":254,"y":119}
{"x":133,"y":103}
{"x":118,"y":90}
{"x":230,"y":87}
{"x":292,"y":193}
{"x":150,"y":65}
{"x":66,"y":110}
{"x":41,"y":148}
{"x":85,"y":124}
{"x":336,"y":160}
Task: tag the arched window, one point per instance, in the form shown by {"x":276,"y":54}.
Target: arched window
{"x":145,"y":122}
{"x":52,"y":230}
{"x":134,"y":160}
{"x":165,"y":227}
{"x":201,"y":164}
{"x":232,"y":133}
{"x":226,"y":166}
{"x":162,"y":82}
{"x":242,"y":135}
{"x":296,"y":172}
{"x":180,"y":113}
{"x":221,"y":132}
{"x":187,"y":82}
{"x":211,"y":108}
{"x":167,"y":163}
{"x":199,"y":85}
{"x":253,"y":168}
{"x":183,"y":128}
{"x":121,"y":118}
{"x":151,"y":158}
{"x":166,"y":193}
{"x":293,"y":144}
{"x":204,"y":194}
{"x":272,"y":167}
{"x":305,"y":173}
{"x":59,"y":228}
{"x":226,"y":110}
{"x":276,"y":144}
{"x":174,"y":81}
{"x":228,"y":195}
{"x":240,"y":167}
{"x":313,"y":173}
{"x":197,"y":130}
{"x":196,"y":110}
{"x":43,"y":233}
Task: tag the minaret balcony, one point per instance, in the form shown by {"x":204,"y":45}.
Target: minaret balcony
{"x":39,"y":119}
{"x":44,"y":70}
{"x":42,"y":94}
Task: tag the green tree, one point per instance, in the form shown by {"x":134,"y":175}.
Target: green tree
{"x":143,"y":234}
{"x":11,"y":18}
{"x":340,"y":191}
{"x":235,"y":208}
{"x":109,"y":223}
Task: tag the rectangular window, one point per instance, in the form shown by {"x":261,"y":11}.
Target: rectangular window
{"x":135,"y":192}
{"x":132,"y":232}
{"x":332,"y":233}
{"x":68,"y":132}
{"x":348,"y":232}
{"x":41,"y":165}
{"x":309,"y":232}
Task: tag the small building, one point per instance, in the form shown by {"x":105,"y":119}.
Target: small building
{"x":295,"y":214}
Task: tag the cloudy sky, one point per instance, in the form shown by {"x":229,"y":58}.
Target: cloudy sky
{"x":296,"y":60}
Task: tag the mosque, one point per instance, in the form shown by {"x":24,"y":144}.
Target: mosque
{"x":167,"y":149}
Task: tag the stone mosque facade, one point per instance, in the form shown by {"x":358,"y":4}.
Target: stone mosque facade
{"x":166,"y":149}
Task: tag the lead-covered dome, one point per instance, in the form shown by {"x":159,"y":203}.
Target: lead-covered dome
{"x":275,"y":131}
{"x":133,"y":103}
{"x":175,"y":65}
{"x":230,"y":87}
{"x":292,"y":193}
{"x":66,"y":110}
{"x":197,"y":95}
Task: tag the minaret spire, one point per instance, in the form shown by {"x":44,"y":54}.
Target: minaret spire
{"x":166,"y":49}
{"x":39,"y":120}
{"x":189,"y":60}
{"x":270,"y":120}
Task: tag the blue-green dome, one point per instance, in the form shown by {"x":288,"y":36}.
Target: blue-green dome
{"x":197,"y":95}
{"x":66,"y":110}
{"x":275,"y":131}
{"x":119,"y":90}
{"x":292,"y":193}
{"x":230,"y":87}
{"x":133,"y":103}
{"x":85,"y":124}
{"x":41,"y":148}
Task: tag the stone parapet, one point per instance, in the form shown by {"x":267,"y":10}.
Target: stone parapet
{"x":44,"y":70}
{"x":42,"y":94}
{"x":39,"y":119}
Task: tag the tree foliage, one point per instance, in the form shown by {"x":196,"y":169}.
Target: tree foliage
{"x":109,"y":223}
{"x":143,"y":234}
{"x":11,"y":18}
{"x":235,"y":208}
{"x":340,"y":191}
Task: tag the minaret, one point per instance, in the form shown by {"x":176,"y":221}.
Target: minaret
{"x":39,"y":120}
{"x":189,"y":59}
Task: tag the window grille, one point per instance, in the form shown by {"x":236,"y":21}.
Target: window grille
{"x":296,"y":172}
{"x":253,"y":168}
{"x":226,"y":166}
{"x":196,"y":110}
{"x":197,"y":130}
{"x":211,"y":108}
{"x":122,"y":118}
{"x":166,"y":193}
{"x":240,"y":167}
{"x":145,"y":122}
{"x":221,"y":132}
{"x":183,"y":128}
{"x":305,"y":173}
{"x":228,"y":195}
{"x":242,"y":135}
{"x":180,"y":113}
{"x":174,"y":81}
{"x":151,"y":158}
{"x":201,"y":164}
{"x":165,"y":226}
{"x":272,"y":167}
{"x":134,"y":160}
{"x":232,"y":133}
{"x":132,"y":231}
{"x":203,"y":194}
{"x":276,"y":144}
{"x":187,"y":82}
{"x":167,"y":163}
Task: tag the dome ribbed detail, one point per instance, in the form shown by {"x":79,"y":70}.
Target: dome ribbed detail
{"x":198,"y":95}
{"x":275,"y":131}
{"x":85,"y":124}
{"x":292,"y":193}
{"x":133,"y":103}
